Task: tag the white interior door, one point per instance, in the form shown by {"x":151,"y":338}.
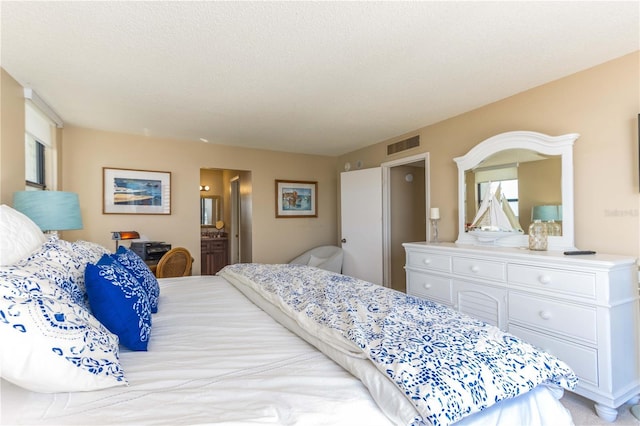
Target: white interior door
{"x":361,"y":210}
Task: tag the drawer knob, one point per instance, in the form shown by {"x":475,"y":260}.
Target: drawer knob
{"x":427,"y":261}
{"x":427,"y":286}
{"x":475,"y":268}
{"x":545,"y":315}
{"x":544,"y":279}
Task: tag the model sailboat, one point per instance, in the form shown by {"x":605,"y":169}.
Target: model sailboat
{"x":494,"y":219}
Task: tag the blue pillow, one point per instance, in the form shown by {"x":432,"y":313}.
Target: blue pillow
{"x":136,"y":267}
{"x":119,"y":302}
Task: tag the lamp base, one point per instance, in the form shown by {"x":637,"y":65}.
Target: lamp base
{"x":434,"y":230}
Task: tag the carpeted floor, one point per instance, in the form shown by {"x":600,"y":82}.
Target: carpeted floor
{"x":584,"y":414}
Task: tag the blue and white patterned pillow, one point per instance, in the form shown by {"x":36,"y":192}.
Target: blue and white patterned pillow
{"x":83,"y":253}
{"x":136,"y":266}
{"x":119,"y":301}
{"x":49,"y":342}
{"x":50,"y":269}
{"x":87,"y":251}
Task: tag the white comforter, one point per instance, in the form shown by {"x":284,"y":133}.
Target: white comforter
{"x":443,"y":365}
{"x":215,"y":358}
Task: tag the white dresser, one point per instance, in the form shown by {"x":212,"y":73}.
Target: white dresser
{"x":583,"y":309}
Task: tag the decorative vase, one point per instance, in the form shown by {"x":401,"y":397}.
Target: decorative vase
{"x":538,"y":236}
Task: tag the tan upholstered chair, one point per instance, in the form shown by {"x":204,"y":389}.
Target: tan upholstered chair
{"x":176,"y":262}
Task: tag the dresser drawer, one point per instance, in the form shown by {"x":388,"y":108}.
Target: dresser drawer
{"x":569,"y":282}
{"x":479,"y":268}
{"x":428,"y":261}
{"x":583,"y":360}
{"x":571,"y":320}
{"x":429,"y":287}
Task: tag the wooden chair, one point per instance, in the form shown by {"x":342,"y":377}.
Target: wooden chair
{"x":176,"y":262}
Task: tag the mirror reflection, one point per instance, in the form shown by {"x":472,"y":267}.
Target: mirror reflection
{"x":210,"y":208}
{"x":530,"y":182}
{"x":541,"y":167}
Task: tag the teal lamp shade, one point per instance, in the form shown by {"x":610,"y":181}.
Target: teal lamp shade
{"x":50,"y":210}
{"x":547,"y":213}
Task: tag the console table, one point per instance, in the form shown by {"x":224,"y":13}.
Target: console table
{"x":583,"y":309}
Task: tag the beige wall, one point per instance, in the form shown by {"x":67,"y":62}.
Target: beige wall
{"x":601,"y":104}
{"x":84,"y":152}
{"x":87,"y":151}
{"x":11,"y":137}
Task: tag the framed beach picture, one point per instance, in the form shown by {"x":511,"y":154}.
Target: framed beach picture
{"x":126,"y":191}
{"x":296,"y":198}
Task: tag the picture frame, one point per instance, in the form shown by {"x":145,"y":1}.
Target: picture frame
{"x":128,"y":191}
{"x":295,"y":199}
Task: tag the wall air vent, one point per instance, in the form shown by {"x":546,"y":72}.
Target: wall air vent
{"x":403,"y":145}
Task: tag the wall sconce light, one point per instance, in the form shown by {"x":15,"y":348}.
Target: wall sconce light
{"x":124,"y":235}
{"x":204,"y":187}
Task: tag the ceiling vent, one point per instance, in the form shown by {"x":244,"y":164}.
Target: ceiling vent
{"x":397,"y":147}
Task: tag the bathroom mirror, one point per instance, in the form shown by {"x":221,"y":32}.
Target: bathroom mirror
{"x":540,"y":166}
{"x":210,"y":208}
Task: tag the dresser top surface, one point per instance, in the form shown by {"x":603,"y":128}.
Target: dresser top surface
{"x":523,"y":253}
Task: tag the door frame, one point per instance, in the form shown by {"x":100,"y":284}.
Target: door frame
{"x":236,"y":229}
{"x":386,"y":207}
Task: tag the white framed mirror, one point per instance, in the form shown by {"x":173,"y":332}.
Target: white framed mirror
{"x":538,"y":166}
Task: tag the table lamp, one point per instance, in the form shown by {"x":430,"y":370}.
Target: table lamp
{"x":551,"y":215}
{"x":546,"y":213}
{"x":124,"y":235}
{"x":52,"y":211}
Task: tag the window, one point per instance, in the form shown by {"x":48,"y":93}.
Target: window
{"x":40,"y":149}
{"x":34,"y":162}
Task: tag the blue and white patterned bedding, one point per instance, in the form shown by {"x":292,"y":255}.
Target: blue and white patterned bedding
{"x":447,"y":364}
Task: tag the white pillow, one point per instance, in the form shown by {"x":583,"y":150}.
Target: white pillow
{"x":316,"y":261}
{"x":19,"y":236}
{"x":53,"y":345}
{"x":50,"y":342}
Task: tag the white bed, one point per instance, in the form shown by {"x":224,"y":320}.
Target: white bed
{"x":213,"y":357}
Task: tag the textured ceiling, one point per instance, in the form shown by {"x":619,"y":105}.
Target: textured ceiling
{"x":310,"y":77}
